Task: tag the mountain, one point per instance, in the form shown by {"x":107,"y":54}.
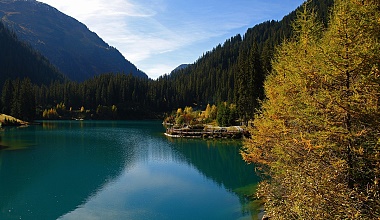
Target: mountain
{"x":232,"y":72}
{"x":19,"y":60}
{"x":68,"y":44}
{"x":180,"y":67}
{"x":235,"y":70}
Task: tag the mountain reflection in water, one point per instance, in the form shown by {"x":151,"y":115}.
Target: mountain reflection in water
{"x":113,"y":170}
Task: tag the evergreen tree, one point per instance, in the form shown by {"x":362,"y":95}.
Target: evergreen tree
{"x":226,"y":114}
{"x":249,"y":83}
{"x":243,"y":88}
{"x":27,"y":102}
{"x":6,"y":97}
{"x":15,"y":103}
{"x":257,"y":78}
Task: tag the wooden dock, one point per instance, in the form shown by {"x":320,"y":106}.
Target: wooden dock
{"x":206,"y":133}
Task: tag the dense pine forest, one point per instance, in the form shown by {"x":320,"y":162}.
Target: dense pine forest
{"x":232,"y":72}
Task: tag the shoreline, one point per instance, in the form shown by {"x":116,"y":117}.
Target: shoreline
{"x":7,"y":120}
{"x":2,"y":147}
{"x":207,"y":133}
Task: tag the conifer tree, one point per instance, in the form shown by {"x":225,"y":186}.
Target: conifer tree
{"x":27,"y":109}
{"x":6,"y":97}
{"x":249,"y":82}
{"x":318,"y":133}
{"x":223,"y":114}
{"x":242,"y":87}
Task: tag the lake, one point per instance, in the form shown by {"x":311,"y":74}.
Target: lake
{"x":121,"y":170}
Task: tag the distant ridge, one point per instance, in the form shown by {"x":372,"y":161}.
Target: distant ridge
{"x":68,"y":44}
{"x":180,"y":67}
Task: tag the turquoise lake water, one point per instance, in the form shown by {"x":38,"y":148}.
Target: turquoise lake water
{"x":120,"y":170}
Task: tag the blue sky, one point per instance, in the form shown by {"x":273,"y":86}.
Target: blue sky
{"x":159,"y":35}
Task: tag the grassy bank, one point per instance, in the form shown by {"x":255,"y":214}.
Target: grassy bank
{"x":7,"y":120}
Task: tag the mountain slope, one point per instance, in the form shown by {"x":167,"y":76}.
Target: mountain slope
{"x":67,"y":43}
{"x":18,"y":60}
{"x":240,"y":64}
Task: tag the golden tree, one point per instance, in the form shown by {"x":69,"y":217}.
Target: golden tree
{"x":317,"y":136}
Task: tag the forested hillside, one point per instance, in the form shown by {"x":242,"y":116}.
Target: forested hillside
{"x":19,"y":60}
{"x":76,"y":51}
{"x":232,"y":72}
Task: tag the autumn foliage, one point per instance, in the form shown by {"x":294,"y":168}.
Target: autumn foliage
{"x":318,"y":134}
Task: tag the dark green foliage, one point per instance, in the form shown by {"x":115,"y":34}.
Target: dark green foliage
{"x":27,"y":101}
{"x":249,"y":83}
{"x":18,"y":60}
{"x":232,"y":72}
{"x":226,"y":115}
{"x":6,"y":97}
{"x":222,"y":118}
{"x":18,"y":98}
{"x":106,"y":112}
{"x":209,"y":80}
{"x":111,"y":95}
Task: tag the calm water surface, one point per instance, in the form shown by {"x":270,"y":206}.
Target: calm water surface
{"x":120,"y":170}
